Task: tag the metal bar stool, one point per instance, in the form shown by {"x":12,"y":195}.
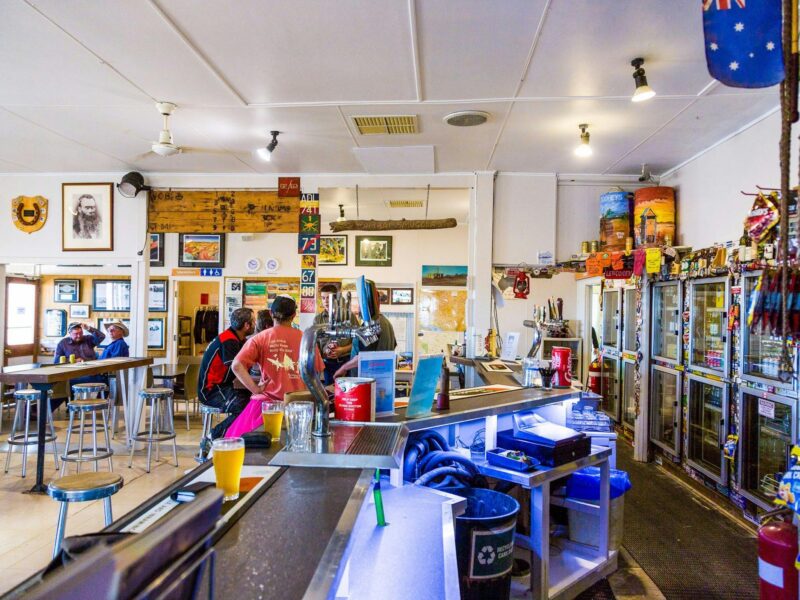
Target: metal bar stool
{"x":83,"y":487}
{"x":208,"y":413}
{"x":24,"y":400}
{"x":88,"y":398}
{"x":162,"y":426}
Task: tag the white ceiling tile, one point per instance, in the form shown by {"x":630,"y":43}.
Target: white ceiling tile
{"x":587,"y":46}
{"x":540,"y":137}
{"x":398,"y":159}
{"x":133,"y":38}
{"x":474,"y":48}
{"x":304,"y":50}
{"x":372,"y":203}
{"x":701,"y":125}
{"x":42,"y":66}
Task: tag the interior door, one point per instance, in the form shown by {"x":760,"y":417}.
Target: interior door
{"x":22,"y":320}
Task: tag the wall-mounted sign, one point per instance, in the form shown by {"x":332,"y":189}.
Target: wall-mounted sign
{"x":288,"y":187}
{"x":185,"y":272}
{"x":308,"y":244}
{"x":210,"y":272}
{"x":29,"y":213}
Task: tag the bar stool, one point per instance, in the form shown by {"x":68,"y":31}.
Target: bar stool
{"x":88,"y":398}
{"x":83,"y":487}
{"x":24,"y":400}
{"x":208,"y":413}
{"x":162,"y":427}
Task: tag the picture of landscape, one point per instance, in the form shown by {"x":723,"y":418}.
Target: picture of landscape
{"x":653,"y":216}
{"x":455,"y":276}
{"x":615,"y":223}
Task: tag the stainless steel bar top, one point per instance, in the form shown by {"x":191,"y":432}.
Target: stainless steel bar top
{"x":486,"y":405}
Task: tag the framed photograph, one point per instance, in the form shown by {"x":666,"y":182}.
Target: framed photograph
{"x":67,"y":290}
{"x":155,"y":334}
{"x":332,"y":250}
{"x":101,"y":325}
{"x":374,"y":251}
{"x":156,"y":249}
{"x":78,"y":311}
{"x":111,"y":295}
{"x":402,"y":295}
{"x":157,"y":299}
{"x":455,"y":276}
{"x":384,"y":295}
{"x":87,"y":216}
{"x":55,"y":322}
{"x":201,"y":250}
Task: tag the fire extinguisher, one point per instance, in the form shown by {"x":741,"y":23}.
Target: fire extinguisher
{"x":777,"y":551}
{"x":593,"y":380}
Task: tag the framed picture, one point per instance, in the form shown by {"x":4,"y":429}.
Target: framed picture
{"x":157,"y":299}
{"x":434,"y":275}
{"x":332,"y":250}
{"x":78,"y":311}
{"x":402,"y":295}
{"x":156,"y":249}
{"x":101,"y":325}
{"x":374,"y":251}
{"x":111,"y":295}
{"x":384,"y":295}
{"x":201,"y":250}
{"x":87,"y":216}
{"x":55,"y":322}
{"x":155,"y":334}
{"x":67,"y":290}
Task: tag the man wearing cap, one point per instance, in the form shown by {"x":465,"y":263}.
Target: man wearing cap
{"x":82,"y":347}
{"x":118,"y":346}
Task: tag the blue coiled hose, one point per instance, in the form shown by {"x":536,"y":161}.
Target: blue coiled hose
{"x":430,"y":461}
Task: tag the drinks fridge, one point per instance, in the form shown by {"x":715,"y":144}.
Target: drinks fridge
{"x":665,"y":409}
{"x":708,"y":332}
{"x":666,"y":321}
{"x":609,"y":386}
{"x":665,"y":354}
{"x":767,"y":430}
{"x":611,"y":344}
{"x":707,"y":426}
{"x":612,"y":305}
{"x":628,"y":399}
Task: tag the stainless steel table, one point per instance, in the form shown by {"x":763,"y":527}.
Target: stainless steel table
{"x":43,"y":379}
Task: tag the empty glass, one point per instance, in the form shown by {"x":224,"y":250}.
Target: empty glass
{"x":530,"y":373}
{"x":299,"y":415}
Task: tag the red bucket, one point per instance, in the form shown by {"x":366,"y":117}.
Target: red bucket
{"x":561,"y":362}
{"x":354,"y":399}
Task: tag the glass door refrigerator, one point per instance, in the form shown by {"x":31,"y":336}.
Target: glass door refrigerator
{"x":707,"y":425}
{"x":760,"y":353}
{"x":767,"y":431}
{"x":666,"y":354}
{"x":629,"y":321}
{"x":628,"y":399}
{"x":611,"y":342}
{"x":708,"y":326}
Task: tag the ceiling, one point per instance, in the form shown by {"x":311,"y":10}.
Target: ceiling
{"x":80,"y":79}
{"x":373,"y":203}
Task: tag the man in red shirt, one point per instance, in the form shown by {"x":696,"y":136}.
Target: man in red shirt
{"x":277,"y":351}
{"x":215,"y":380}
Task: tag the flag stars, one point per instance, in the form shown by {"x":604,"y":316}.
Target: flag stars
{"x":751,"y":55}
{"x":770,"y":46}
{"x":714,"y":46}
{"x":734,"y":66}
{"x":739,"y":27}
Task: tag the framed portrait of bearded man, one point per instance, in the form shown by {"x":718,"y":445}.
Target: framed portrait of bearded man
{"x":87,"y":217}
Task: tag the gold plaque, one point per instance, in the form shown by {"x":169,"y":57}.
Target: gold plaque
{"x":29,"y":213}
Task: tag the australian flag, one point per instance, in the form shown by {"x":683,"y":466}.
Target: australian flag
{"x":743,"y":42}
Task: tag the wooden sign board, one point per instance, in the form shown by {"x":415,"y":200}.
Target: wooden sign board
{"x":222,"y":211}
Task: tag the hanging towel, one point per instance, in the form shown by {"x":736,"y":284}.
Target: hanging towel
{"x":249,"y":419}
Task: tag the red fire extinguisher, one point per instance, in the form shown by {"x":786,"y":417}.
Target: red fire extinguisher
{"x":594,"y":376}
{"x":777,"y":550}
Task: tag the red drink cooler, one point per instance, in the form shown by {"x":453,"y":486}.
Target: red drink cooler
{"x":354,"y":399}
{"x":777,"y":550}
{"x":560,"y":361}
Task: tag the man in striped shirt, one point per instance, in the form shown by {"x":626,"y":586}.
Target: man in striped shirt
{"x":215,"y":381}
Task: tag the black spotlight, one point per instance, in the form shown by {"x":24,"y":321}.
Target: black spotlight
{"x":131,"y":184}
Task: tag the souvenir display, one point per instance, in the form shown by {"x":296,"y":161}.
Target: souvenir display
{"x":615,"y":220}
{"x":653,"y":216}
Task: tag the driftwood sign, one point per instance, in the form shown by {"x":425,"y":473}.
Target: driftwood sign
{"x":393,"y":224}
{"x":221,"y":211}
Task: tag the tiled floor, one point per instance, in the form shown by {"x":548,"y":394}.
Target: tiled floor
{"x":28,"y":522}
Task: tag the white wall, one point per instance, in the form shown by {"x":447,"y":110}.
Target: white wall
{"x":524,"y":217}
{"x":710,"y":205}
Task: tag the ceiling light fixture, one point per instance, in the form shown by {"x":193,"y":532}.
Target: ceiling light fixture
{"x":266,"y":153}
{"x":341,"y":214}
{"x":131,"y":184}
{"x":584,"y":149}
{"x":643,"y":91}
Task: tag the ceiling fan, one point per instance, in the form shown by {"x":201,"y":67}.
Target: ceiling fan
{"x":165,"y":146}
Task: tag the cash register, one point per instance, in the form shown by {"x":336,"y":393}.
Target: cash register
{"x":549,"y":443}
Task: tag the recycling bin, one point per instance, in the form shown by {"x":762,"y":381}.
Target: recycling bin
{"x":584,"y":485}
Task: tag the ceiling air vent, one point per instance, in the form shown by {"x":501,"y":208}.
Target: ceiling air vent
{"x":386,"y":125}
{"x":466,"y":118}
{"x":405,"y":203}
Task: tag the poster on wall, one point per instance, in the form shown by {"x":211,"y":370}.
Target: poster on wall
{"x":55,"y":322}
{"x":156,"y":249}
{"x":66,"y":290}
{"x":444,"y":275}
{"x":155,"y":334}
{"x":111,"y":295}
{"x":157,"y":299}
{"x":201,"y":250}
{"x":87,"y":217}
{"x":333,"y":250}
{"x":233,"y":296}
{"x":374,"y":251}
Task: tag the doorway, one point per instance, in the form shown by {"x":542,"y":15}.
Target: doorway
{"x":197,"y":316}
{"x":22,"y":321}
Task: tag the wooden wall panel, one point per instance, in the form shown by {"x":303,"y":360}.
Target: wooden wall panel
{"x":221,"y":211}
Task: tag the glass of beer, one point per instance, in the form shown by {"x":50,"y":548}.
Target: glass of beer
{"x":272,"y":413}
{"x":228,"y":460}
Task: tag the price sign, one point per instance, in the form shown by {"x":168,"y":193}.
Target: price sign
{"x":308,"y":276}
{"x":308,"y":291}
